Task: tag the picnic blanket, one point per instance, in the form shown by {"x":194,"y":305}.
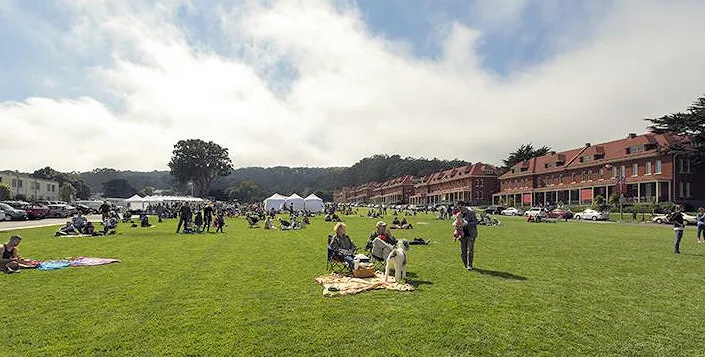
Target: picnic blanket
{"x":74,"y":262}
{"x":338,"y":285}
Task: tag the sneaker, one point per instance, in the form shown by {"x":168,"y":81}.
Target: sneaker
{"x":470,"y":268}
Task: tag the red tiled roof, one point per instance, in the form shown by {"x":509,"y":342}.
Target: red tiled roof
{"x":613,"y":151}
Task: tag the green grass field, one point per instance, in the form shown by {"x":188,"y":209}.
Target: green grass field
{"x":565,"y":289}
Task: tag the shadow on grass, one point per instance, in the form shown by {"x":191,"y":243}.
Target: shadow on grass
{"x":501,"y":274}
{"x":694,"y":255}
{"x":411,"y":280}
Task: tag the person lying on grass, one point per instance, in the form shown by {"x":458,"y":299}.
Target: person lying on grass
{"x":9,"y":258}
{"x":341,"y":245}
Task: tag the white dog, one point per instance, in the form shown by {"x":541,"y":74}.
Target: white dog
{"x":397,"y":261}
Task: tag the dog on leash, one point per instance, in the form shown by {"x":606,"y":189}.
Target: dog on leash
{"x":397,"y":261}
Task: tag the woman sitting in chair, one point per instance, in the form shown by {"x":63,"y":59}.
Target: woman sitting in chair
{"x":342,"y":247}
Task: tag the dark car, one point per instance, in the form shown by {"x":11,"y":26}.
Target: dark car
{"x":13,"y":213}
{"x":84,"y":209}
{"x":560,"y":213}
{"x":493,"y":210}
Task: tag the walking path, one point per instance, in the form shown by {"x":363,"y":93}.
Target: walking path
{"x":47,"y":222}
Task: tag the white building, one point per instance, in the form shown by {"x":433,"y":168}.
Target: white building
{"x":32,"y":188}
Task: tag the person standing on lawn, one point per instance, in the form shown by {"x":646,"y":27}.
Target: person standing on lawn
{"x":467,"y":241}
{"x":701,"y":224}
{"x":678,"y":225}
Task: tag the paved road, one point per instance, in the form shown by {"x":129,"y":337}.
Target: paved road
{"x":11,"y":225}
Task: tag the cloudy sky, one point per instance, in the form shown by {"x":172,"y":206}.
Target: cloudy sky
{"x":103,"y":83}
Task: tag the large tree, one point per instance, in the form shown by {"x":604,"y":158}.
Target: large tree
{"x":523,"y":153}
{"x":82,"y":191}
{"x":118,"y":188}
{"x":246,"y":192}
{"x":691,"y":124}
{"x":67,"y":192}
{"x":5,"y":192}
{"x":199,"y":163}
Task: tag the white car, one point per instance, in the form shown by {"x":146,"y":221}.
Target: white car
{"x":687,"y":219}
{"x":511,"y":211}
{"x":535,"y":211}
{"x":592,"y":215}
{"x":3,"y":217}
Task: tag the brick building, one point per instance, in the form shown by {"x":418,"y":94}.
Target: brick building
{"x":474,"y":183}
{"x":394,"y":191}
{"x":343,"y":195}
{"x":579,"y":175}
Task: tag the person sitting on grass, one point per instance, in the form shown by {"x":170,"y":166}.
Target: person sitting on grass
{"x":144,"y":220}
{"x":9,"y":258}
{"x":127,"y":216}
{"x":341,"y":246}
{"x":268,"y":223}
{"x":79,"y":222}
{"x":67,"y":229}
{"x":110,"y":224}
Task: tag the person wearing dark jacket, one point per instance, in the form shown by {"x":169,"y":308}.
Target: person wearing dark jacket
{"x":676,"y":217}
{"x":467,"y":241}
{"x":184,"y":216}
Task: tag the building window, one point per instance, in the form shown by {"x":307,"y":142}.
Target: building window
{"x":601,"y":174}
{"x":687,"y":166}
{"x":572,"y":177}
{"x":648,"y":168}
{"x":589,"y":176}
{"x":681,"y":166}
{"x":658,"y":167}
{"x":680,"y":189}
{"x":687,"y":189}
{"x":560,"y":179}
{"x":622,"y":171}
{"x":614,"y":172}
{"x":635,"y":169}
{"x":14,"y":183}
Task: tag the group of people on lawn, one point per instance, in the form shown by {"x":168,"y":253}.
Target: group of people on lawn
{"x":202,"y":220}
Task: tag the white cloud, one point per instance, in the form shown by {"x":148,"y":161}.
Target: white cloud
{"x":351,"y":94}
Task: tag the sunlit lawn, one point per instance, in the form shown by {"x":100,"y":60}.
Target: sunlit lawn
{"x":567,"y":289}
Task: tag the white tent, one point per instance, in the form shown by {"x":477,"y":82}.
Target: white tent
{"x":135,"y":203}
{"x":313,"y":203}
{"x":296,"y":201}
{"x":275,"y":201}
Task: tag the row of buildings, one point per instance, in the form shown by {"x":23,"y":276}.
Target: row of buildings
{"x":34,"y":189}
{"x":635,"y":166}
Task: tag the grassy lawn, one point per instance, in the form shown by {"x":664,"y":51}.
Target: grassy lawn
{"x":567,"y":289}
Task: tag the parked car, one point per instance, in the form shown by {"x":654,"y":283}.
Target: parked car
{"x":592,"y":215}
{"x":511,"y":211}
{"x":3,"y":217}
{"x":662,"y":218}
{"x":60,"y":211}
{"x":535,"y":211}
{"x":13,"y":213}
{"x":85,"y":209}
{"x":560,"y":213}
{"x":34,"y":210}
{"x":494,"y":210}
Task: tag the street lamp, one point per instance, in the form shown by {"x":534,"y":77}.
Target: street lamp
{"x":620,"y":186}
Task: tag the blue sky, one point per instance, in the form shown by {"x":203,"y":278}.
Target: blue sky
{"x":332,"y":73}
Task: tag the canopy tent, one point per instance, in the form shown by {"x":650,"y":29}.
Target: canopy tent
{"x":135,"y":203}
{"x":313,"y":203}
{"x":275,"y":201}
{"x":296,"y":201}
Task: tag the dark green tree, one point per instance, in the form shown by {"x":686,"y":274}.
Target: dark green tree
{"x":246,"y":192}
{"x":200,"y":163}
{"x":146,"y":191}
{"x":83,"y":191}
{"x":5,"y":192}
{"x":118,"y":188}
{"x":523,"y":153}
{"x":67,"y":192}
{"x":690,"y":124}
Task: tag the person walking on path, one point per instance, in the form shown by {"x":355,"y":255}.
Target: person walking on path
{"x":701,"y":224}
{"x":678,"y":225}
{"x":467,"y":241}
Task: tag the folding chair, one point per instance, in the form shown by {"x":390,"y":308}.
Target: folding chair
{"x":333,"y":262}
{"x":378,"y":250}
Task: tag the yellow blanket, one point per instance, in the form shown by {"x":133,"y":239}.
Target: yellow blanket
{"x":337,"y":285}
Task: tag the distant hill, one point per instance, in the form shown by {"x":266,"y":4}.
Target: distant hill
{"x":287,"y":180}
